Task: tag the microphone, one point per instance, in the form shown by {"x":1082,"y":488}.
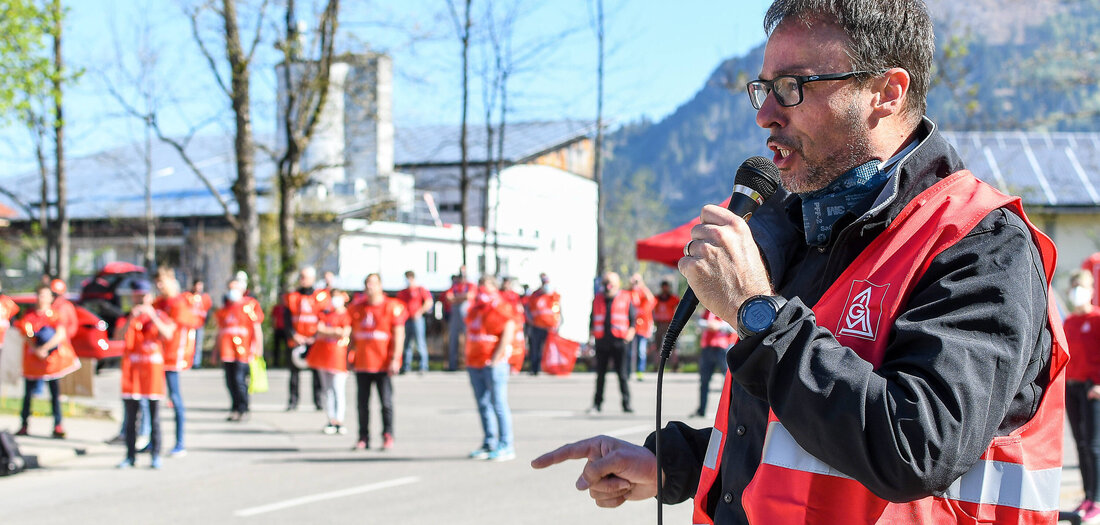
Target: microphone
{"x":756,"y":181}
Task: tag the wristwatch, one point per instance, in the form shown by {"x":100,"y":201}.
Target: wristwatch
{"x":757,"y":314}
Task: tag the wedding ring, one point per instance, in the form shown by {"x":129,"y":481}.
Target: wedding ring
{"x":687,"y":248}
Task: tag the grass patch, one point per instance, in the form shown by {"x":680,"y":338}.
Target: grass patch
{"x":41,"y":407}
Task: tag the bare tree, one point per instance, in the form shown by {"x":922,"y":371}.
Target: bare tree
{"x":57,"y":79}
{"x":462,"y":28}
{"x":306,"y":93}
{"x":597,"y":173}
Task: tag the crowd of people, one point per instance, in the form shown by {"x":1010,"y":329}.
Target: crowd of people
{"x":498,"y":331}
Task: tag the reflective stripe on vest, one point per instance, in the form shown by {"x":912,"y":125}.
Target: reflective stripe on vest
{"x":371,"y":335}
{"x":1017,"y":480}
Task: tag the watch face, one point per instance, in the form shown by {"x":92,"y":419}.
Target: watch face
{"x":758,"y":315}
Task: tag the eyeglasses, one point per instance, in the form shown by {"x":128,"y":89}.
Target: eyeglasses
{"x":788,"y":88}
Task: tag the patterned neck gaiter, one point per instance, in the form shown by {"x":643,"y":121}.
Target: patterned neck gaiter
{"x":822,"y":208}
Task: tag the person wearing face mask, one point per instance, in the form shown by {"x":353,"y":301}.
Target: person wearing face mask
{"x":239,"y":341}
{"x":1082,"y":328}
{"x":612,"y":326}
{"x":543,"y":317}
{"x":329,"y":357}
{"x":418,"y":302}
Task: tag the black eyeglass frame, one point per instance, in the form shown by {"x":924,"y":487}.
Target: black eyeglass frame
{"x":799,"y":80}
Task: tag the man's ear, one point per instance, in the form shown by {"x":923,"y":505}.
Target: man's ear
{"x":893,"y":90}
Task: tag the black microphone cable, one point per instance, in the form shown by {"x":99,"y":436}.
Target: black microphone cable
{"x":756,"y":181}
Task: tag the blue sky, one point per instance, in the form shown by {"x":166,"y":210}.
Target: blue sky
{"x":658,"y":54}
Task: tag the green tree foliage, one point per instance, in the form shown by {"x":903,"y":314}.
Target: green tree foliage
{"x":24,"y":55}
{"x":632,"y":213}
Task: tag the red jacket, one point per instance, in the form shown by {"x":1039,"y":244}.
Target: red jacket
{"x":1083,"y":338}
{"x":143,"y":359}
{"x":1010,"y":483}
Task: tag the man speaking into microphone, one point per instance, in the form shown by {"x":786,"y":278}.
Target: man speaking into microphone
{"x":898,"y":361}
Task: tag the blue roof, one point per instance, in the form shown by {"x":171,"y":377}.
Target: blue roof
{"x":522,"y":140}
{"x":1045,"y":169}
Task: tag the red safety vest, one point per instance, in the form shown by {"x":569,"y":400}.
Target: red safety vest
{"x":665,"y":308}
{"x":546,"y":310}
{"x":1017,"y":479}
{"x":620,"y":315}
{"x":304,"y":309}
{"x":715,"y":338}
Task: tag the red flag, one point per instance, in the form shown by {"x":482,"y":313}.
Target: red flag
{"x":559,"y":355}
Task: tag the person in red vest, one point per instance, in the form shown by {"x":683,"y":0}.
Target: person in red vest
{"x":8,"y":311}
{"x":715,"y":336}
{"x":300,"y":318}
{"x":644,"y":301}
{"x":543,"y":317}
{"x":490,"y":334}
{"x":418,"y":302}
{"x":64,"y":307}
{"x":146,"y":331}
{"x":200,"y":305}
{"x":519,"y":343}
{"x":457,"y":299}
{"x":47,"y":356}
{"x":239,"y":341}
{"x":329,"y":357}
{"x":1083,"y":387}
{"x":900,"y":357}
{"x":612,"y":327}
{"x":667,"y":301}
{"x":378,"y":332}
{"x":179,"y":348}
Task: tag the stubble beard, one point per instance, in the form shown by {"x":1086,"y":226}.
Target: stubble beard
{"x":855,"y":151}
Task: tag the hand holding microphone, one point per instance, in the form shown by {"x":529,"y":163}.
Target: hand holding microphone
{"x":722,"y":260}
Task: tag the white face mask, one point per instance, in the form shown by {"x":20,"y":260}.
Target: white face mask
{"x":337,"y":303}
{"x":234,"y":295}
{"x":1080,"y":296}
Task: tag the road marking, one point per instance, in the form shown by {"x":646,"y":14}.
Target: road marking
{"x":326,"y":496}
{"x":630,"y":430}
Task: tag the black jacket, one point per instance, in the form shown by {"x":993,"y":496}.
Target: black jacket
{"x":967,"y":359}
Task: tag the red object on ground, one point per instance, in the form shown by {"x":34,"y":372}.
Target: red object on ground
{"x":559,"y":355}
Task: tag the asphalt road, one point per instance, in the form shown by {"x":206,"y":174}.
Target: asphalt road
{"x":280,"y":468}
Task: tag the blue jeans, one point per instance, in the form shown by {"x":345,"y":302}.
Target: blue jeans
{"x":536,"y":339}
{"x":641,"y":346}
{"x":197,"y":361}
{"x":415,"y":328}
{"x":456,"y":325}
{"x":711,"y":359}
{"x":172,"y":378}
{"x":146,"y":421}
{"x":491,"y":393}
{"x":55,"y":399}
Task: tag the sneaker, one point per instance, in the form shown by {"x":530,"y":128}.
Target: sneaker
{"x":627,"y":409}
{"x":1092,"y":515}
{"x":156,"y":463}
{"x":341,"y":429}
{"x":234,"y":416}
{"x":245,"y":416}
{"x":361,"y":445}
{"x":1083,"y":507}
{"x":481,"y":453}
{"x":502,"y":454}
{"x":22,"y":431}
{"x":699,"y":413}
{"x":387,"y":441}
{"x":639,"y":376}
{"x":178,"y":452}
{"x":126,"y":463}
{"x":594,"y":409}
{"x":329,"y":429}
{"x":58,"y":432}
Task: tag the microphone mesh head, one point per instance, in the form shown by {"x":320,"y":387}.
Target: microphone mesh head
{"x":760,"y":174}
